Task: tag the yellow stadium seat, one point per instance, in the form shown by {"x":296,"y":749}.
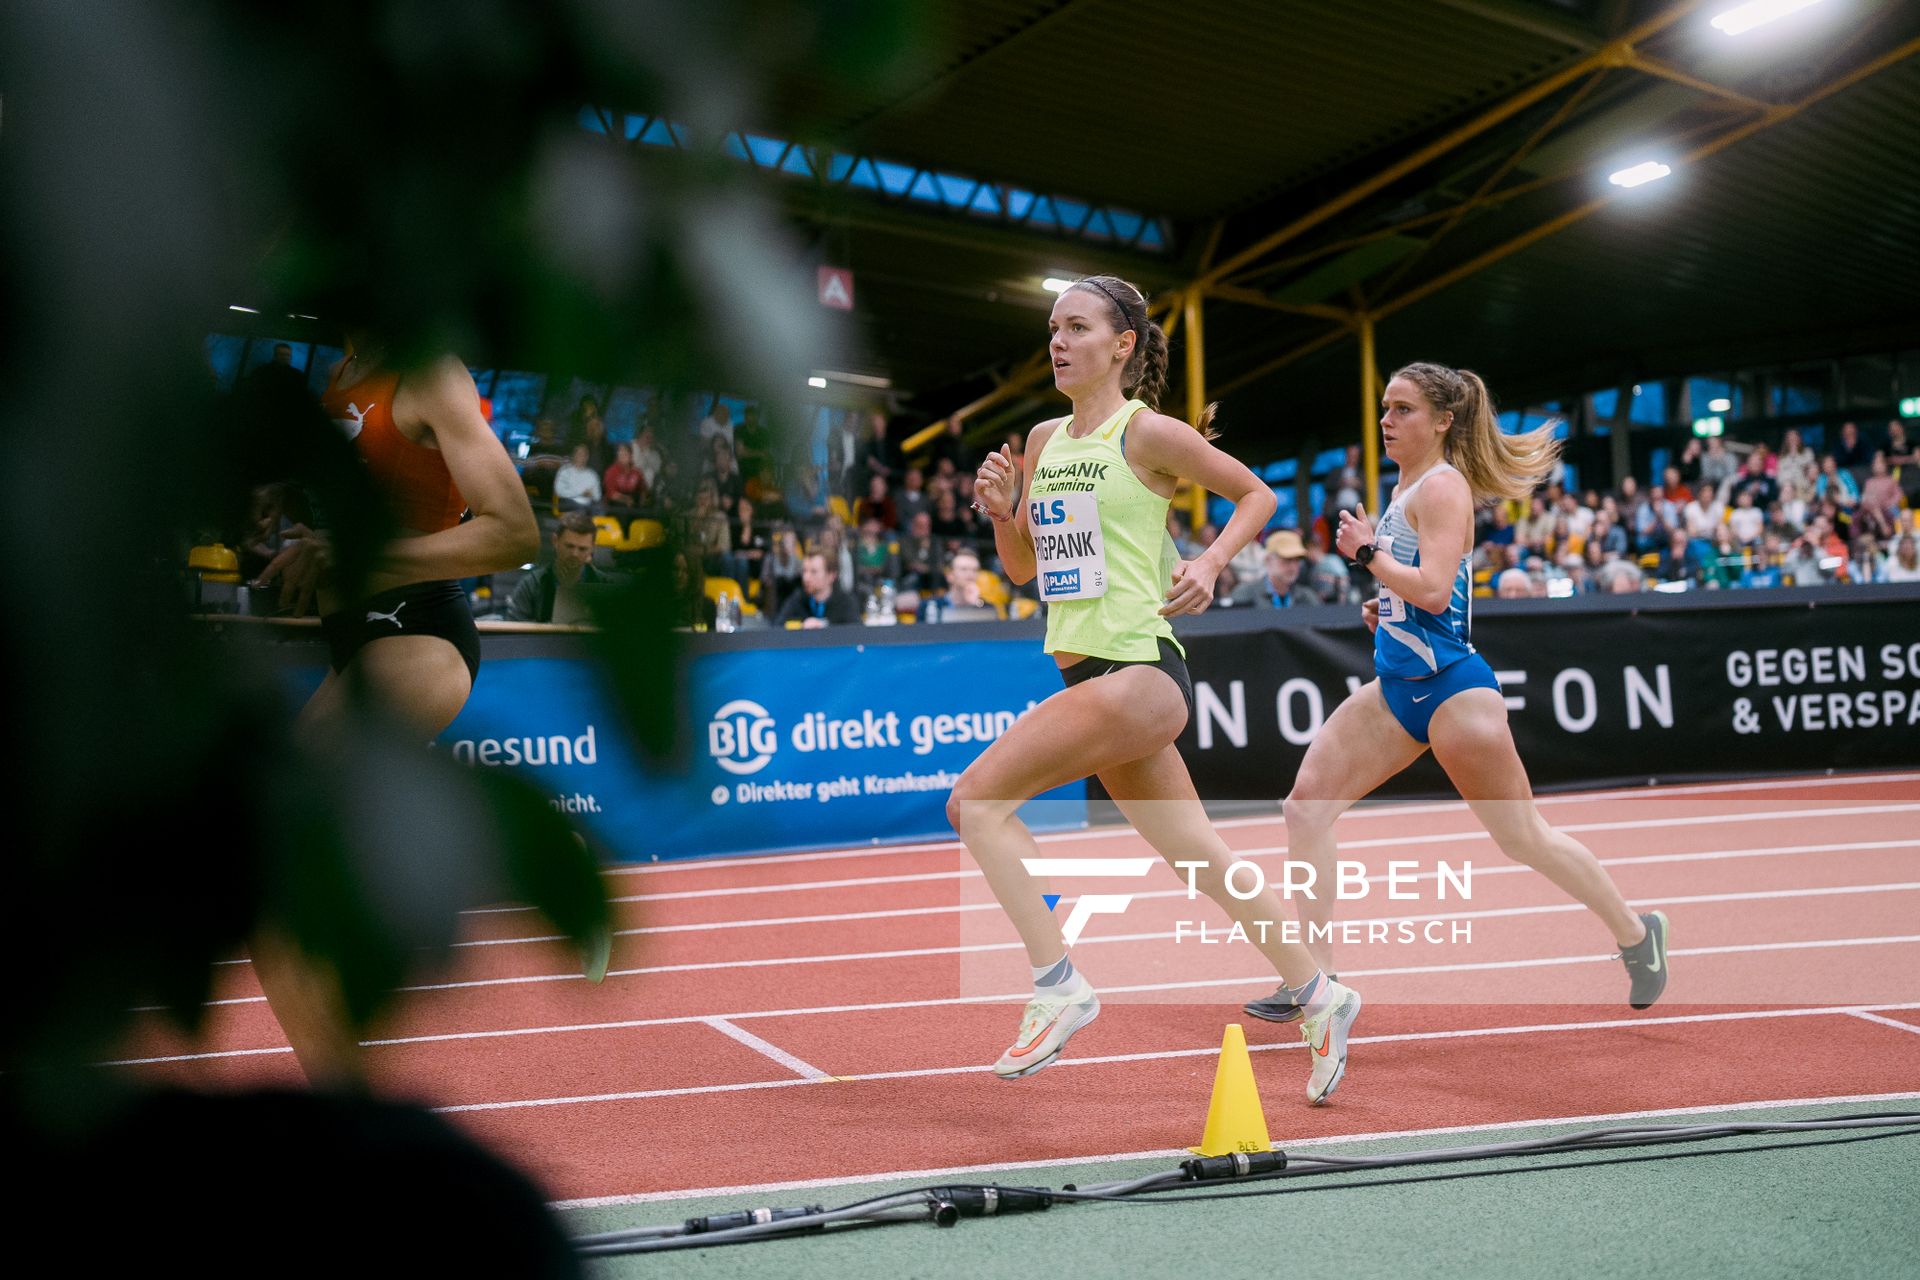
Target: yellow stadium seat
{"x":1024,"y":607}
{"x":606,"y":532}
{"x":215,"y":562}
{"x":716,"y":587}
{"x":642,"y":534}
{"x":841,"y":511}
{"x":992,"y":590}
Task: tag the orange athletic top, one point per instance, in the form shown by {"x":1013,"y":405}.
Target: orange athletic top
{"x":413,"y":476}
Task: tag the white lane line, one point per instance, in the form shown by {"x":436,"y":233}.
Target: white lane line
{"x":1065,"y":1162}
{"x":1504,"y":868}
{"x":805,"y":1070}
{"x":1103,"y":866}
{"x":1895,"y":1023}
{"x":1161,"y":1055}
{"x":1020,"y":997}
{"x":1370,"y":811}
{"x":774,"y":962}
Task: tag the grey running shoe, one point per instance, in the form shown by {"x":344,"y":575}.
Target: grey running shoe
{"x":1646,"y":962}
{"x":1279,"y":1007}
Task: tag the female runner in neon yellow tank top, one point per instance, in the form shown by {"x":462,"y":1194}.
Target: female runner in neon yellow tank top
{"x":1088,"y":519}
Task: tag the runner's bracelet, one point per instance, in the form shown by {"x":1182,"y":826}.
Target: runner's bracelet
{"x":985,"y":511}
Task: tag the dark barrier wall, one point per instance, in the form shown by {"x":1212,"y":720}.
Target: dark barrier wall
{"x":1621,"y":689}
{"x":854,"y":735}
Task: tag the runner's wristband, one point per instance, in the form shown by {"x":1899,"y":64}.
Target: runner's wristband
{"x":983,"y":510}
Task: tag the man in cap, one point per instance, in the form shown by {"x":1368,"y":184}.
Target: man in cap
{"x":1280,"y":587}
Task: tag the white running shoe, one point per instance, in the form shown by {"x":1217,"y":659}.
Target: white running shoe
{"x":1045,"y":1027}
{"x":1326,"y":1036}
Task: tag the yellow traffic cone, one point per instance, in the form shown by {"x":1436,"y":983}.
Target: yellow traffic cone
{"x":1234,"y":1119}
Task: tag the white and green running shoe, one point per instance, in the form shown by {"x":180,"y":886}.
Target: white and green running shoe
{"x":1045,"y":1027}
{"x":1326,"y":1035}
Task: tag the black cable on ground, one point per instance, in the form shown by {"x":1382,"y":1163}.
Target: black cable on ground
{"x":946,"y":1205}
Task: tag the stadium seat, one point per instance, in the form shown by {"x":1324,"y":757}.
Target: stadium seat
{"x":643,"y":533}
{"x":716,"y":587}
{"x":1023,"y":607}
{"x":606,"y":531}
{"x":214,"y":562}
{"x":994,"y":591}
{"x":841,"y":511}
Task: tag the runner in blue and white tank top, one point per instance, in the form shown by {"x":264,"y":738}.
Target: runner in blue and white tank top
{"x":1434,"y":691}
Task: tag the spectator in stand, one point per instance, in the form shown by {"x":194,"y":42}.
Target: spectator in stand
{"x":623,"y":486}
{"x":547,"y":440}
{"x":1853,"y":453}
{"x":913,"y":498}
{"x":1766,"y":570}
{"x":951,"y":446}
{"x":876,"y":453}
{"x":1726,"y":562}
{"x":718,"y":424}
{"x":831,"y":541}
{"x":590,"y":429}
{"x":1513,"y":584}
{"x":576,"y":486}
{"x":1499,"y":527}
{"x":1797,"y":464}
{"x":877,"y":505}
{"x":1753,"y":478}
{"x":533,"y":596}
{"x":1608,"y":536}
{"x":1533,"y":528}
{"x":920,"y":556}
{"x":1836,"y":483}
{"x":1792,"y":507}
{"x":1704,"y":514}
{"x":962,"y":601}
{"x":749,"y":543}
{"x":1579,"y":580}
{"x":1679,"y":562}
{"x":1903,"y":462}
{"x":692,"y":607}
{"x":875,"y":558}
{"x":1678,"y":490}
{"x":819,"y":602}
{"x":1619,"y":578}
{"x":1717,"y":466}
{"x":1225,"y":585}
{"x":1904,"y":564}
{"x":1327,"y":574}
{"x":1563,"y":541}
{"x":646,"y":455}
{"x":723,"y":472}
{"x":710,"y":533}
{"x":1746,"y":520}
{"x":780,"y":569}
{"x":842,"y":455}
{"x":1279,"y":587}
{"x":1878,"y":512}
{"x":752,"y":443}
{"x":1867,"y":564}
{"x":1650,"y":520}
{"x":946,"y":517}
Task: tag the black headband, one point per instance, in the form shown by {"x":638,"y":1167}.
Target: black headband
{"x":1116,"y":302}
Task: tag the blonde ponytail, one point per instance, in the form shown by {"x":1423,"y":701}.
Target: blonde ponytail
{"x":1495,"y":465}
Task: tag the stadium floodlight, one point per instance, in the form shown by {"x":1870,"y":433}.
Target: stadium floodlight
{"x":252,"y":311}
{"x":1720,"y":404}
{"x":1757,"y":13}
{"x":1910,"y":407}
{"x":818,"y":384}
{"x":1056,"y":284}
{"x":1640,"y":174}
{"x":1709,"y":426}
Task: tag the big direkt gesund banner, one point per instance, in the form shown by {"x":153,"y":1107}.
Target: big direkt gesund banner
{"x":823,"y":746}
{"x":1595,"y":696}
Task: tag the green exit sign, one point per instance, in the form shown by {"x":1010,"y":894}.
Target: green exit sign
{"x":1709,"y":426}
{"x":1910,"y":407}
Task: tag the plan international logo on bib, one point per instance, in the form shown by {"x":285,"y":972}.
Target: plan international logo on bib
{"x":1062,"y":580}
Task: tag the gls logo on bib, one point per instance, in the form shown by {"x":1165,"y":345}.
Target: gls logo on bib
{"x":1068,"y":548}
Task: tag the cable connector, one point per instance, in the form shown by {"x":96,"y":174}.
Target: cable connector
{"x":954,"y":1203}
{"x":1238,"y":1164}
{"x":750,"y":1218}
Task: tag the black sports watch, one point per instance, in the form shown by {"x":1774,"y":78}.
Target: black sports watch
{"x":1364,"y":556}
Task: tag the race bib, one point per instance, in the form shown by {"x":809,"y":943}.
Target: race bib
{"x":1068,"y":551}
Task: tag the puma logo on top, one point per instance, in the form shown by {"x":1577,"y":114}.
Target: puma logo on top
{"x":356,"y":418}
{"x":393,"y":617}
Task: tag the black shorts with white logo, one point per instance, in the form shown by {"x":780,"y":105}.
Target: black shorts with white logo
{"x":1169,"y":661}
{"x":418,"y":609}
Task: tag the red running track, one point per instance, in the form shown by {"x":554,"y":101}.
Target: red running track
{"x":830,"y":1015}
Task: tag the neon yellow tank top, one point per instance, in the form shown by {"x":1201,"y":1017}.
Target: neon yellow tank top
{"x":1103,"y":557}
